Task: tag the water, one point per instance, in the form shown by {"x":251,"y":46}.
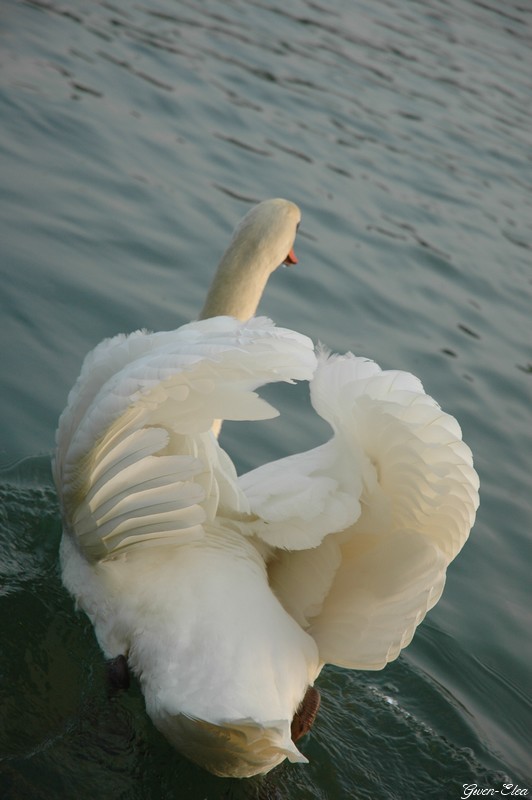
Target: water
{"x":133,"y":137}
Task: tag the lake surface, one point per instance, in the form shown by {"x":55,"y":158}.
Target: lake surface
{"x":134,"y":136}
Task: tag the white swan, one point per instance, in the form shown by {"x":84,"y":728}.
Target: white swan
{"x":228,"y":595}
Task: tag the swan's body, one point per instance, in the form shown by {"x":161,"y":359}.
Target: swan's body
{"x":228,"y":595}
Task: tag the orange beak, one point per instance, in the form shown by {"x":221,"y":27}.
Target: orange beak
{"x":291,"y":258}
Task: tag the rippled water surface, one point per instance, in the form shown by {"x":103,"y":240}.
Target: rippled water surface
{"x":134,"y":136}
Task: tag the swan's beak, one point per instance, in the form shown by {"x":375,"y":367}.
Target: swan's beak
{"x":291,"y":258}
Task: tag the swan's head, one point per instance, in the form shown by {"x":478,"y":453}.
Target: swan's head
{"x":268,"y":232}
{"x":262,"y":241}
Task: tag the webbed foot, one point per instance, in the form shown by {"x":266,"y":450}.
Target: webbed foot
{"x":117,"y":674}
{"x":305,"y":714}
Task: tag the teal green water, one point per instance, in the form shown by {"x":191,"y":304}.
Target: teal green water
{"x":133,"y":137}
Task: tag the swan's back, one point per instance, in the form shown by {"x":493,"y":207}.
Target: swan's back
{"x":158,"y":540}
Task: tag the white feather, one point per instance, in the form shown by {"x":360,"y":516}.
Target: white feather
{"x":416,"y":493}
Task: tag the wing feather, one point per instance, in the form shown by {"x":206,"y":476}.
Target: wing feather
{"x":137,"y":464}
{"x":384,"y":507}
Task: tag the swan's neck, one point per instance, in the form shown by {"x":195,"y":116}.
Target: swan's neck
{"x":261,"y":242}
{"x":238,"y":284}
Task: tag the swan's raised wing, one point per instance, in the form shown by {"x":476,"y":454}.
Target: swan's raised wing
{"x":136,"y":463}
{"x":361,"y":586}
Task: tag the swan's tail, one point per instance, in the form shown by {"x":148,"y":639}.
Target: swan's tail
{"x":239,"y":748}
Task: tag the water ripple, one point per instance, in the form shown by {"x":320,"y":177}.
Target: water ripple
{"x":134,"y":136}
